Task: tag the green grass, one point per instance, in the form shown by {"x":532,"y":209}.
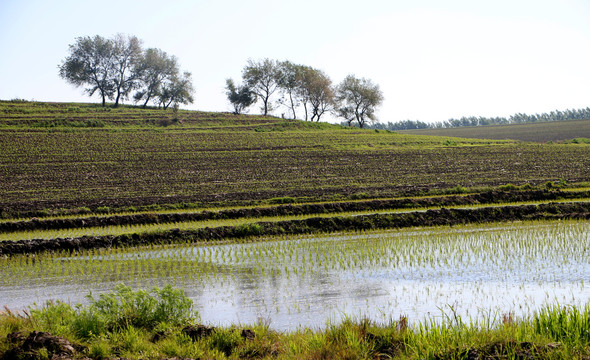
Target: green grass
{"x":554,"y":332}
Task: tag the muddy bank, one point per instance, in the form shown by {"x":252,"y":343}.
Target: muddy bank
{"x":293,"y":209}
{"x":439,"y":217}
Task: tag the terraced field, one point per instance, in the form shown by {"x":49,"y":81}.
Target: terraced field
{"x":119,"y":166}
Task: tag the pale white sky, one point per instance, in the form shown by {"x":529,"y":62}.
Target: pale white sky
{"x":433,"y":59}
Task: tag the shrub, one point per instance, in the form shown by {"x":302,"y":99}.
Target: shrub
{"x":103,"y":210}
{"x":508,"y":187}
{"x":124,"y":307}
{"x":248,"y":230}
{"x":225,"y":340}
{"x":53,"y":317}
{"x":457,"y":190}
{"x":282,"y":200}
{"x":359,"y":196}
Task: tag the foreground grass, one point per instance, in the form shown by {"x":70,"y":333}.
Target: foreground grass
{"x":161,"y":324}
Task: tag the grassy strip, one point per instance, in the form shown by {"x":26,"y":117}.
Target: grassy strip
{"x":290,"y":210}
{"x":161,"y":325}
{"x":577,"y":210}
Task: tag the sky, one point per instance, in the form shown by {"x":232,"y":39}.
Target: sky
{"x":433,"y":59}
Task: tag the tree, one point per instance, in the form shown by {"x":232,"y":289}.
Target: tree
{"x":154,"y":67}
{"x":178,"y":90}
{"x":358,"y":99}
{"x":317,"y":89}
{"x":262,"y":78}
{"x":290,"y":86}
{"x":241,"y":97}
{"x":90,"y":63}
{"x":126,"y":54}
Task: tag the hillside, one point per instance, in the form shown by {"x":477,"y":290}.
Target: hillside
{"x":534,"y":132}
{"x":80,"y":155}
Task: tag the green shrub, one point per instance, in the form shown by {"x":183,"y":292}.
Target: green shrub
{"x":578,"y":141}
{"x":53,"y":317}
{"x":508,"y":187}
{"x":248,"y":230}
{"x":103,"y":209}
{"x":99,"y":350}
{"x":225,"y":340}
{"x":124,"y":307}
{"x":457,"y":190}
{"x":359,"y":196}
{"x":282,"y":200}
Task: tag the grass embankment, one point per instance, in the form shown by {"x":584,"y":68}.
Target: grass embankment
{"x":358,"y":207}
{"x":573,"y":210}
{"x":162,"y":325}
{"x":535,"y":132}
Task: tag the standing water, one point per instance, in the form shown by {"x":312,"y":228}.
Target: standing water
{"x":427,"y":273}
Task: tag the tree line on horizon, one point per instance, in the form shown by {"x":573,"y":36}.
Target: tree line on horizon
{"x":518,"y":118}
{"x":119,"y":67}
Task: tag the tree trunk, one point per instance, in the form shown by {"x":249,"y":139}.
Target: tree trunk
{"x":265,"y":106}
{"x":292,"y":106}
{"x":146,"y":101}
{"x":117,"y":99}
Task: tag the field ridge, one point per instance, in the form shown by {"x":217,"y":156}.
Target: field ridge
{"x":439,"y":217}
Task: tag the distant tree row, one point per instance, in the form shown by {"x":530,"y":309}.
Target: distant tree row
{"x":303,"y":88}
{"x":519,"y":118}
{"x":119,"y":68}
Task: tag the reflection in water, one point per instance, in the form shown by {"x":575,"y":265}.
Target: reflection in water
{"x":302,"y":281}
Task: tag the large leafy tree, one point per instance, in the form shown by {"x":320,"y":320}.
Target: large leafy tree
{"x":263,"y":78}
{"x":126,"y":55}
{"x":116,"y":67}
{"x":305,"y":86}
{"x":316,"y":88}
{"x":177,"y":89}
{"x":290,"y":86}
{"x":358,"y":100}
{"x":240,"y":96}
{"x":90,"y":64}
{"x":154,"y":68}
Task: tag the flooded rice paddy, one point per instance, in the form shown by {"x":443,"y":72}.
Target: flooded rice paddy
{"x":303,"y":281}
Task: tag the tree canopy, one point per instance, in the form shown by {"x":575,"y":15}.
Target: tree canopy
{"x":263,"y":78}
{"x":358,"y":100}
{"x":90,"y":63}
{"x":240,"y":96}
{"x":118,"y":66}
